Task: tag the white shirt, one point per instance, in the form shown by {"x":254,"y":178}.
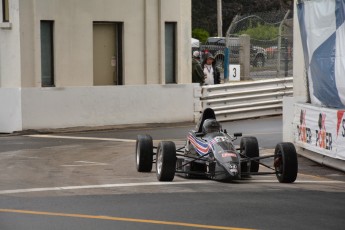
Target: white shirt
{"x":208,"y":71}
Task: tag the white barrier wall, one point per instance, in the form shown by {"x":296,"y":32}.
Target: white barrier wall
{"x":299,"y":83}
{"x":320,"y":129}
{"x":10,"y":110}
{"x":317,"y":132}
{"x":44,"y":108}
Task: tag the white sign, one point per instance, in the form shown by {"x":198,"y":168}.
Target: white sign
{"x":321,"y":130}
{"x":234,"y":72}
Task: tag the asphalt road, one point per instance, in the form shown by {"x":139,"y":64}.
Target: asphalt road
{"x":88,"y":180}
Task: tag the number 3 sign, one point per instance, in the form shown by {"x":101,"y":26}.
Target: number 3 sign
{"x":234,"y":72}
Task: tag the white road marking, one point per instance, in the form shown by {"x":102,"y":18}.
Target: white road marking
{"x":15,"y":191}
{"x":85,"y":163}
{"x":82,"y":138}
{"x":297,"y":181}
{"x":99,"y":186}
{"x":93,"y":138}
{"x":88,"y":162}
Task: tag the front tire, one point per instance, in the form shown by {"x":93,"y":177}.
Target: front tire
{"x":166,"y":161}
{"x":285,"y":162}
{"x":250,"y":148}
{"x":144,"y":153}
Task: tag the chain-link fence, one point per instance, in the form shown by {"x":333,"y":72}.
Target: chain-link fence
{"x":271,"y":43}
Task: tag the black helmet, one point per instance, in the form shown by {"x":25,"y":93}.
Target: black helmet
{"x":211,"y":126}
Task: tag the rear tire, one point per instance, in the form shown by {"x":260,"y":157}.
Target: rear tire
{"x":285,"y":162}
{"x":249,"y":147}
{"x":144,"y":153}
{"x":166,"y":161}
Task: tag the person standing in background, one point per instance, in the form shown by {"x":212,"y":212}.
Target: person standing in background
{"x":212,"y":75}
{"x":197,"y":72}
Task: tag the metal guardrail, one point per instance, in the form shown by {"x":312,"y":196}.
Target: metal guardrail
{"x":241,"y":100}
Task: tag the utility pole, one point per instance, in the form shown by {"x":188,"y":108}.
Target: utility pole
{"x":219,"y":18}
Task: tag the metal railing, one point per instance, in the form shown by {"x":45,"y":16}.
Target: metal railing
{"x":241,"y":100}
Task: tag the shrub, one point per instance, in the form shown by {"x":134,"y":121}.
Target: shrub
{"x":200,"y":34}
{"x":262,"y":32}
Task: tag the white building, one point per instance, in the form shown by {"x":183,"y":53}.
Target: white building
{"x":67,"y":63}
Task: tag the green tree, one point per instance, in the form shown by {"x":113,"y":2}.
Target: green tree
{"x":200,"y":34}
{"x":204,"y":12}
{"x":262,"y":32}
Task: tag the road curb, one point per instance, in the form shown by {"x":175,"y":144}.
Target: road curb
{"x":322,"y":159}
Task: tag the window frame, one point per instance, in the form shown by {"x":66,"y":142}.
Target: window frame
{"x":174,"y":54}
{"x":51,"y":53}
{"x":5,"y":11}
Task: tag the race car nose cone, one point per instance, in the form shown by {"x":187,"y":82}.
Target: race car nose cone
{"x":233,"y":169}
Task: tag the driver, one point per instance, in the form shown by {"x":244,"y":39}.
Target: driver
{"x":211,"y":126}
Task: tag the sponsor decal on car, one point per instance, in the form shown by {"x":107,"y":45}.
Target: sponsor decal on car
{"x":221,"y":139}
{"x":233,"y":169}
{"x":229,"y":155}
{"x":201,"y":147}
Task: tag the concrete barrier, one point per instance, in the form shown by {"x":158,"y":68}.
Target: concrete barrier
{"x":41,"y":108}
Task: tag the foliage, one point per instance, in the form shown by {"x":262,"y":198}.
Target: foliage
{"x":204,"y":12}
{"x":200,"y":34}
{"x":262,"y":32}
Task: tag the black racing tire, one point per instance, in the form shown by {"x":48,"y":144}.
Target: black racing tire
{"x":144,"y":153}
{"x":259,"y":61}
{"x":166,"y":161}
{"x":250,"y":148}
{"x":285,"y":162}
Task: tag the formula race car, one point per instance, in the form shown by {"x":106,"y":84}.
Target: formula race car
{"x":209,"y":152}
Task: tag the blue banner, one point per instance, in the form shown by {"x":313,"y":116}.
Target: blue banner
{"x":322,"y":25}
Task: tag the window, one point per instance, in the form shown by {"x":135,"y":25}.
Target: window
{"x":5,"y":11}
{"x":47,"y":53}
{"x":170,"y":52}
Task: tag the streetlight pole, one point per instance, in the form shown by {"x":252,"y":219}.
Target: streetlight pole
{"x":219,"y":18}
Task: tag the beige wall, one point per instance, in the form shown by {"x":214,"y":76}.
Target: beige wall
{"x":74,"y":101}
{"x":10,"y":71}
{"x":143,"y":47}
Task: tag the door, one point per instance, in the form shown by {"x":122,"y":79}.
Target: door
{"x":106,"y":53}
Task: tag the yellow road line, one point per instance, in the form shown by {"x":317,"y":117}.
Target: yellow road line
{"x":121,"y":219}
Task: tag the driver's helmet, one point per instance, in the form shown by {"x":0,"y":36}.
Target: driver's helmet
{"x":211,"y":126}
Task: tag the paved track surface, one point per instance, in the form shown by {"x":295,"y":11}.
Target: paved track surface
{"x":89,"y":181}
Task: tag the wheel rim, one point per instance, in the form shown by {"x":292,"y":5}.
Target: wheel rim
{"x":138,"y":155}
{"x":159,"y":162}
{"x":278,"y":164}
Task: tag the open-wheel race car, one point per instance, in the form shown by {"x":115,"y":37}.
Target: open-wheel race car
{"x":209,"y":152}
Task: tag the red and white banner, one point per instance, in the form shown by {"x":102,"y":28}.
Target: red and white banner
{"x":320,"y":130}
